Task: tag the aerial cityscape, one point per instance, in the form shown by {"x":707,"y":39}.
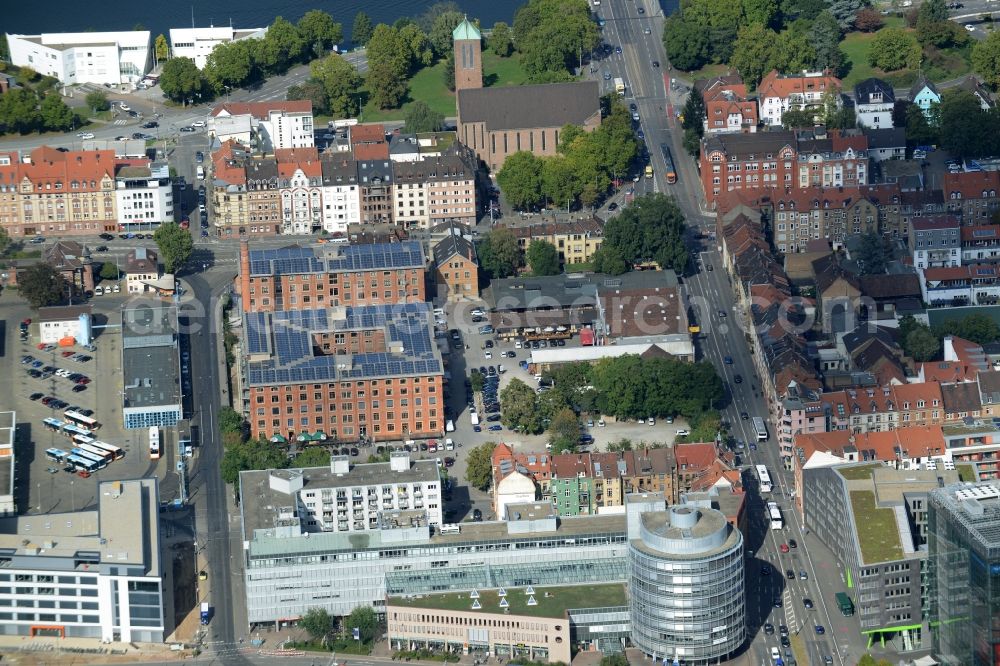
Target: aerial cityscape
{"x":592,"y":332}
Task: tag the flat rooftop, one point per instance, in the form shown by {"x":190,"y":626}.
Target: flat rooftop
{"x":281,"y":349}
{"x":333,"y":258}
{"x":150,"y":368}
{"x":124,"y":529}
{"x":976,"y":506}
{"x":553,"y":601}
{"x":569,"y":291}
{"x":878,"y":534}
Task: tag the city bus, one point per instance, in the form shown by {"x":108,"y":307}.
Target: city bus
{"x":774,"y":515}
{"x":765,"y":479}
{"x":56,"y":455}
{"x":760,"y":428}
{"x":83,"y":439}
{"x":93,"y":450}
{"x":81,"y":464}
{"x":81,"y":420}
{"x":54,"y":425}
{"x":116,"y":453}
{"x":72,"y":431}
{"x":92,"y":457}
{"x":669,"y":160}
{"x":154,"y":443}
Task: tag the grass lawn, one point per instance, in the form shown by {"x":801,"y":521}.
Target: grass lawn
{"x":877,"y":532}
{"x":551,"y":601}
{"x":708,"y":71}
{"x":858,"y":473}
{"x":428,"y":85}
{"x":966,"y":473}
{"x":938,"y":65}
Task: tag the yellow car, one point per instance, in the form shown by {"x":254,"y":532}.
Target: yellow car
{"x":202,"y":575}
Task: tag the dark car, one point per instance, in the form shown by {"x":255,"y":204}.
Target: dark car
{"x":656,"y":63}
{"x":808,"y":603}
{"x":744,"y":416}
{"x":36,"y":396}
{"x":792,"y":543}
{"x":785,"y":642}
{"x":495,"y":428}
{"x":778,"y":603}
{"x":641,"y":10}
{"x":106,"y":236}
{"x":150,"y":125}
{"x":79,"y":388}
{"x":820,"y":630}
{"x":137,"y":135}
{"x":86,"y":412}
{"x":354,"y":451}
{"x":493,"y":418}
{"x":101,"y":248}
{"x":613,"y":206}
{"x":477,"y":514}
{"x":738,"y":379}
{"x":34,"y":373}
{"x":448,"y":462}
{"x":199,"y":157}
{"x":789,"y":574}
{"x":769,"y":629}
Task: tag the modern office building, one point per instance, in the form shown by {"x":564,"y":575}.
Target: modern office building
{"x":144,"y":196}
{"x":198,"y":43}
{"x":290,"y":570}
{"x":963,"y":538}
{"x":686,"y":587}
{"x":351,"y":373}
{"x":274,"y":125}
{"x":111,"y":58}
{"x":874,"y":519}
{"x":330,"y":275}
{"x":86,"y":574}
{"x":346,"y":498}
{"x":150,"y":366}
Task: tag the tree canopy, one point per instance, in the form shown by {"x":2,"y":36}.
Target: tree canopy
{"x":631,"y":387}
{"x":340,"y":83}
{"x":319,"y":31}
{"x":519,"y":408}
{"x":499,"y":253}
{"x":986,"y":58}
{"x":362,"y":29}
{"x":552,"y":35}
{"x":175,"y":245}
{"x":181,"y":81}
{"x":251,"y":454}
{"x":479,"y":466}
{"x":363,"y":619}
{"x":650,"y":229}
{"x":422,"y":118}
{"x":893,"y":49}
{"x":317,"y":622}
{"x":872,"y":255}
{"x":41,"y":285}
{"x":543,"y":258}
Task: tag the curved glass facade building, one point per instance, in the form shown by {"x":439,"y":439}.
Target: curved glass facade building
{"x":686,"y":589}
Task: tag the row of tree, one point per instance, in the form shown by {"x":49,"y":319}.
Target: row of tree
{"x":923,"y":343}
{"x":552,"y":36}
{"x":650,"y":229}
{"x":582,"y":170}
{"x":626,"y":387}
{"x":958,"y":124}
{"x":23,"y":110}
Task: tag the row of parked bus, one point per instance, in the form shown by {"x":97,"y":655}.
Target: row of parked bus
{"x":87,"y":453}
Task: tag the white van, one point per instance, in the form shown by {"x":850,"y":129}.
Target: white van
{"x":200,"y":172}
{"x":449,"y":426}
{"x":98,"y":291}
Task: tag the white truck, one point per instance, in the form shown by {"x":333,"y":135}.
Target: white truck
{"x":475,"y":418}
{"x":620,"y":86}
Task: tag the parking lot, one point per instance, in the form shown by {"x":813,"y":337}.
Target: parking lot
{"x":38,"y":376}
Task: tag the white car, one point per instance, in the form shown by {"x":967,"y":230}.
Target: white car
{"x":517,"y":344}
{"x":682,"y":432}
{"x":478,"y":312}
{"x":651,"y":421}
{"x":124,"y":107}
{"x":970,"y":27}
{"x":87,"y":135}
{"x":775,"y":654}
{"x":488,"y":354}
{"x":198,"y":123}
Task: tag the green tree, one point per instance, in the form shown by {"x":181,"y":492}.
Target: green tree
{"x":55,"y":114}
{"x":230,"y":421}
{"x":845,"y":11}
{"x":479,"y":466}
{"x":418,"y":46}
{"x":872,"y":256}
{"x":314,"y":456}
{"x":825,"y":34}
{"x":161,"y":48}
{"x":388,"y":65}
{"x":317,"y":622}
{"x":694,"y":113}
{"x":520,"y":179}
{"x":181,"y":81}
{"x":362,"y":29}
{"x":341,"y":82}
{"x":4,"y":241}
{"x":4,"y":49}
{"x":315,"y":92}
{"x":986,"y":58}
{"x":797,"y":118}
{"x":252,"y":454}
{"x":441,"y":28}
{"x":753,"y":52}
{"x":500,"y":40}
{"x":975,"y":327}
{"x":919,"y":131}
{"x":760,"y":11}
{"x":96,"y":101}
{"x":608,"y":260}
{"x":19,"y":111}
{"x":651,"y":229}
{"x":426,"y":20}
{"x":281,"y":46}
{"x":560,"y":184}
{"x":687,"y":44}
{"x":894,"y":49}
{"x":922,"y":345}
{"x":564,"y":431}
{"x":41,"y":285}
{"x":519,"y":408}
{"x":551,"y":36}
{"x":109,"y":271}
{"x":319,"y":31}
{"x":363,"y":619}
{"x":448,"y":72}
{"x":793,"y":51}
{"x":543,"y":258}
{"x":175,"y":245}
{"x":614,"y":660}
{"x":499,"y":253}
{"x":422,"y":118}
{"x":233,"y":64}
{"x":477,"y":381}
{"x":692,"y":142}
{"x":961,"y":124}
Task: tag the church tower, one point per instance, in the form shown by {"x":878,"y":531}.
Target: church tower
{"x":468,"y":56}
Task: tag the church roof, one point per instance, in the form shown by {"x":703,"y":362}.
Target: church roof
{"x":466,"y":30}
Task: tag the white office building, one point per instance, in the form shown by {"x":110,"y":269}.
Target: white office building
{"x":85,"y":57}
{"x":336,"y":539}
{"x":340,"y":193}
{"x":144,"y":196}
{"x":198,"y":43}
{"x":86,"y":574}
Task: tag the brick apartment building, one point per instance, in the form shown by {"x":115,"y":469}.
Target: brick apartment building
{"x":456,"y":267}
{"x":330,"y":275}
{"x":728,"y":108}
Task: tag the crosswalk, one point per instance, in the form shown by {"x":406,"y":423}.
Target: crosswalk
{"x":121,"y":121}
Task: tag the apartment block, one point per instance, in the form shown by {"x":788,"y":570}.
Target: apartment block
{"x":50,"y":192}
{"x":935,"y":241}
{"x":728,"y":107}
{"x":575,"y":240}
{"x":87,"y":574}
{"x":972,"y":194}
{"x":778,"y":93}
{"x":341,"y":194}
{"x":274,"y":125}
{"x":433,"y":191}
{"x":144,"y":196}
{"x":330,"y":275}
{"x":300,"y":186}
{"x":456,"y":267}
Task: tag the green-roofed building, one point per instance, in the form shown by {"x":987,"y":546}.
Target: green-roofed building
{"x":468,"y":56}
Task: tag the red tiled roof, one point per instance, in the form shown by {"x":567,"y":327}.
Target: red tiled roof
{"x":291,"y":160}
{"x":778,"y":85}
{"x":980,"y":232}
{"x":374,"y":133}
{"x":262,"y":109}
{"x":371,"y":151}
{"x":947,"y":371}
{"x":971,"y":184}
{"x":924,"y":223}
{"x":58,"y":170}
{"x":694,"y":456}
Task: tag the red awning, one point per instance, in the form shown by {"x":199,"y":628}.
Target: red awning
{"x":587,"y":336}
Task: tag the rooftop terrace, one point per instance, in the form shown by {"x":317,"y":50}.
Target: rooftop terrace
{"x":877,"y":533}
{"x":549,"y":601}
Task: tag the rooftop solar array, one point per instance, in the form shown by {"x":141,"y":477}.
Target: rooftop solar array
{"x":286,"y":338}
{"x":331,"y":258}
